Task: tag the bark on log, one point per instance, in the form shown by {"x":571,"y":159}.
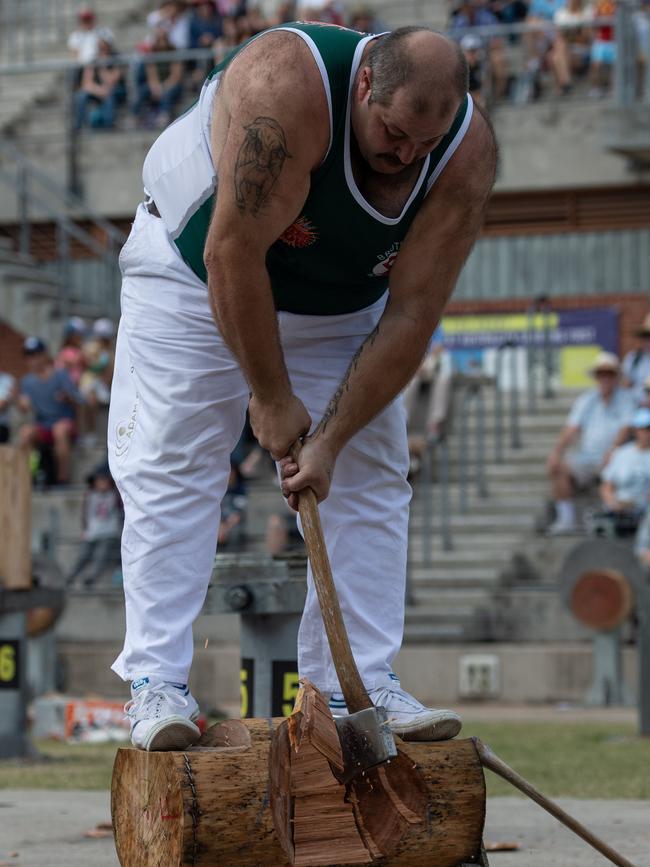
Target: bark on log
{"x":15,"y":519}
{"x":211,"y":805}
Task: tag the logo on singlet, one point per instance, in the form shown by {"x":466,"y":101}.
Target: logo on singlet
{"x":386,"y":261}
{"x":299,"y":234}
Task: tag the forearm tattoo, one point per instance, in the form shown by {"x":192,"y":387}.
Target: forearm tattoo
{"x":259,"y":163}
{"x":333,"y":406}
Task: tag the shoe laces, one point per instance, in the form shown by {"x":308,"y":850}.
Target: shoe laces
{"x":150,"y":701}
{"x":395,"y":700}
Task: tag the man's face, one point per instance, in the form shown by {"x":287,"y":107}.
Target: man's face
{"x":391,"y":137}
{"x":606,"y":381}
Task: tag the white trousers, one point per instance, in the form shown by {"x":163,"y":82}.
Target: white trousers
{"x":177,"y":410}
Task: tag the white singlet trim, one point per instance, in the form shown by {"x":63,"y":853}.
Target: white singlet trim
{"x":349,"y":176}
{"x":453,"y":145}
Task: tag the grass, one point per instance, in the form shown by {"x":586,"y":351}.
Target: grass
{"x":581,"y":760}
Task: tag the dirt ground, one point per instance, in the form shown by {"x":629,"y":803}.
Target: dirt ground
{"x":46,"y":829}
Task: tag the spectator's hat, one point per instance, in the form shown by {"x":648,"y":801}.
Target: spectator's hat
{"x":104,"y":328}
{"x":470,"y":42}
{"x":605,"y":361}
{"x":33,"y":345}
{"x":86,"y":14}
{"x":641,"y":417}
{"x":644,"y":331}
{"x":74,"y":325}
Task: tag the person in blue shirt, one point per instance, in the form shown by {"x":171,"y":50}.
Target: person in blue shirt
{"x":53,"y":399}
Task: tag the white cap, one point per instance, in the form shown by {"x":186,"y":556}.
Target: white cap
{"x":605,"y":361}
{"x":104,"y":328}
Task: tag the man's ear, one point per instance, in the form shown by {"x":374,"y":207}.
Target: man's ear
{"x":365,"y":83}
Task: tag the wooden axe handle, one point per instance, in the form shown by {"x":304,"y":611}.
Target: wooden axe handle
{"x":354,"y":692}
{"x":494,"y":763}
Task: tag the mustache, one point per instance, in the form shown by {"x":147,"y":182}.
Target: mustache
{"x":391,"y":159}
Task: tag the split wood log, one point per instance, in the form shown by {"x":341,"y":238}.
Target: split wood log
{"x":225,"y":802}
{"x":15,"y":519}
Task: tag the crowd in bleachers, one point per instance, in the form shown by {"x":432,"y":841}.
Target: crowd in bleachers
{"x":605,"y":447}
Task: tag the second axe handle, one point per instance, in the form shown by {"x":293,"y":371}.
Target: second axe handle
{"x":354,"y":692}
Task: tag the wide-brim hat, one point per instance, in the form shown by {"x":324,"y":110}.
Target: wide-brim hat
{"x":644,"y":331}
{"x":605,"y":361}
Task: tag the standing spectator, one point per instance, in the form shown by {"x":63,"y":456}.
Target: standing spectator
{"x":7,"y":397}
{"x":71,"y":357}
{"x":172,"y":18}
{"x":603,"y":50}
{"x":162,"y":86}
{"x":475,"y":13}
{"x":205,"y":29}
{"x":95,"y":385}
{"x":636,"y":364}
{"x":103,"y":87}
{"x":599,"y":421}
{"x":625,"y":488}
{"x":101,"y":519}
{"x":53,"y":398}
{"x":84,"y":41}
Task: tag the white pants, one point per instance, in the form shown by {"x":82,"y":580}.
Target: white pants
{"x":177,"y":409}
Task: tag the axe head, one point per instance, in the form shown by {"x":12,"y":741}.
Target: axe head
{"x":366,"y":741}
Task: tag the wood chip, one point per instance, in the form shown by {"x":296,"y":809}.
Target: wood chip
{"x":501,"y":846}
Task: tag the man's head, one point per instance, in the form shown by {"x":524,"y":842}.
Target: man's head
{"x":644,"y":334}
{"x":606,"y":370}
{"x":86,"y":18}
{"x":35,"y":352}
{"x":409,"y":86}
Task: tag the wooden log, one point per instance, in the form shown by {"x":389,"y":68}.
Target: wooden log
{"x":15,"y":519}
{"x":211,"y":805}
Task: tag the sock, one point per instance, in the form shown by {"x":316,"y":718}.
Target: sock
{"x":566,"y":511}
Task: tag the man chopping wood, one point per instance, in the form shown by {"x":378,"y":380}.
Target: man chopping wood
{"x":303,"y":227}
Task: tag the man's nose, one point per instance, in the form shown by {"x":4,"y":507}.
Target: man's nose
{"x":406,"y":152}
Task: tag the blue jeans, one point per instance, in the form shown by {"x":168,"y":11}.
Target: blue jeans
{"x":165,"y":103}
{"x":103,"y":112}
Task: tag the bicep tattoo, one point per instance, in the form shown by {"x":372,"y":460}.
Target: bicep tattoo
{"x":259,"y":163}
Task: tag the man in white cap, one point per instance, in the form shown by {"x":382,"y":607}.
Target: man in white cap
{"x":636,"y":364}
{"x":599,"y":420}
{"x":625,"y":488}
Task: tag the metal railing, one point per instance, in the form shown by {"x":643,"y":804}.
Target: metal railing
{"x":38,"y":197}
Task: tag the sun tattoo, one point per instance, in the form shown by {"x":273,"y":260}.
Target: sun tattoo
{"x":259,"y":163}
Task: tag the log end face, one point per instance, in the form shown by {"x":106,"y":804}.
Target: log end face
{"x":146,"y":809}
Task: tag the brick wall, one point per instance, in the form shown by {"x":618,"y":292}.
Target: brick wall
{"x":11,"y":351}
{"x":633,"y":308}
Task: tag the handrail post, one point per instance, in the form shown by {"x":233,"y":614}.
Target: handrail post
{"x":498,"y":406}
{"x":22,"y":195}
{"x":531,"y":358}
{"x":426,"y":486}
{"x":481,"y":483}
{"x":442,"y":452}
{"x":462,"y":452}
{"x":73,"y":180}
{"x":545,"y":305}
{"x":515,"y":435}
{"x":63,"y":251}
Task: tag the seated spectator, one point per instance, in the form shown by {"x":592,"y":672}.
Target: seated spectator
{"x":574,"y":42}
{"x":475,"y":13}
{"x":53,"y":398}
{"x":599,"y":421}
{"x":642,"y":539}
{"x":162,"y":86}
{"x":228,"y":40}
{"x":71,"y":357}
{"x":603,"y":50}
{"x":95,"y":384}
{"x":101,"y":520}
{"x":84,"y":41}
{"x":434,"y":378}
{"x":286,"y":12}
{"x":363,"y":19}
{"x":282,"y":534}
{"x":233,"y":509}
{"x":7,"y":397}
{"x":472,"y":49}
{"x":101,"y":87}
{"x":545,"y":49}
{"x":625,"y":488}
{"x":636,"y":364}
{"x":327,"y":11}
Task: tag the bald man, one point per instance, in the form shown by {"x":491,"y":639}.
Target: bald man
{"x":303,"y":227}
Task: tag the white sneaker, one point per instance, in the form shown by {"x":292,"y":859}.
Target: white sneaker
{"x":407,"y":717}
{"x":562,"y":528}
{"x":162,"y":715}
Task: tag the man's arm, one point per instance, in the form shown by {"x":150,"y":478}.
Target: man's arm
{"x":421,"y":282}
{"x":270,"y":130}
{"x":568,"y":435}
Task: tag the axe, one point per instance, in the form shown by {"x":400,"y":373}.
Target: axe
{"x":365,"y":736}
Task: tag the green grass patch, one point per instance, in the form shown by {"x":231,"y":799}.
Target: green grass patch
{"x":581,"y":760}
{"x":577,"y":760}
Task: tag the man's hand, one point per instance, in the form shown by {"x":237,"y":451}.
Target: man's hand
{"x":314,"y":470}
{"x":554,"y":462}
{"x":278,"y":424}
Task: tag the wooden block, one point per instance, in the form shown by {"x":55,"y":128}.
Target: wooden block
{"x":15,"y":519}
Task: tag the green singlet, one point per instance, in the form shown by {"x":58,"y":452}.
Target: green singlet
{"x":336,"y":257}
